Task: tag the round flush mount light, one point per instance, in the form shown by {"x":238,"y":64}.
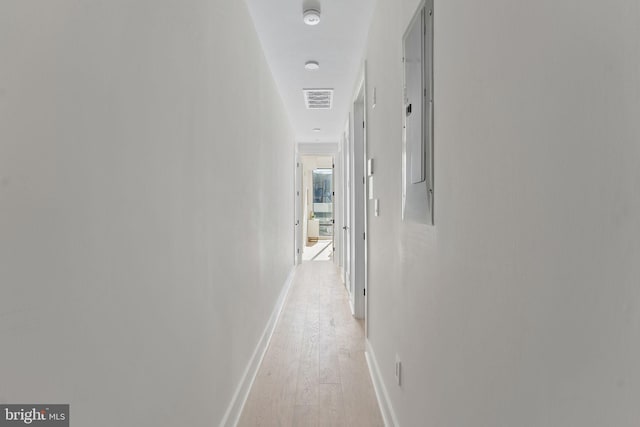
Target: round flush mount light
{"x":311,"y":17}
{"x":311,"y":65}
{"x":316,"y":129}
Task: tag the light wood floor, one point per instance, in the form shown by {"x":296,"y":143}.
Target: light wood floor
{"x":318,"y":251}
{"x":314,"y":372}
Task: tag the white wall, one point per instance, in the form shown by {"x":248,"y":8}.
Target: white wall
{"x":521,"y":306}
{"x":136,"y":276}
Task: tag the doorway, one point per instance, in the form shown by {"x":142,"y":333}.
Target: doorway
{"x":318,"y":208}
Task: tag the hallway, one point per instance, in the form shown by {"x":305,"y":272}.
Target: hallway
{"x":157,"y":196}
{"x":314,"y":371}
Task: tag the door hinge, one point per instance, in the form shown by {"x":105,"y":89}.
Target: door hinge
{"x":363,"y":180}
{"x":333,"y":193}
{"x":363,"y":125}
{"x":364,"y":292}
{"x":364,"y":236}
{"x":298,"y":251}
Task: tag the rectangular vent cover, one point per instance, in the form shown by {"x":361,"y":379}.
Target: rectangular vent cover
{"x":318,"y":99}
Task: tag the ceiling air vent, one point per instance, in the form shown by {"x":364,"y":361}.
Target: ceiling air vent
{"x":318,"y":99}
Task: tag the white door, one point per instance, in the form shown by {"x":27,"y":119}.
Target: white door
{"x":298,"y":212}
{"x":333,"y":209}
{"x":346,"y":217}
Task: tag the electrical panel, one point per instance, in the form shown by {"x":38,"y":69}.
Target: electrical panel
{"x":418,"y":117}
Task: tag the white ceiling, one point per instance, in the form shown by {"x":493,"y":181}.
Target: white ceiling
{"x":337,"y":43}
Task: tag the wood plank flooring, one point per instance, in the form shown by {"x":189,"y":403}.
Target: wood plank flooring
{"x":314,"y":372}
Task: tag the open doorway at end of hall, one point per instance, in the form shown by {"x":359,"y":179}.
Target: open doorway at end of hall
{"x":317,"y":208}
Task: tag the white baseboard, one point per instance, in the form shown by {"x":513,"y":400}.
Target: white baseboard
{"x":232,"y":415}
{"x":388,"y":414}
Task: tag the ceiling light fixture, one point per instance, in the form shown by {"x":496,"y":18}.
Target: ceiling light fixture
{"x":311,"y":65}
{"x":316,"y":129}
{"x":311,"y":17}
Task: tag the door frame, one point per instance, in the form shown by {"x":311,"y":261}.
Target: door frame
{"x":358,"y":202}
{"x":324,"y":149}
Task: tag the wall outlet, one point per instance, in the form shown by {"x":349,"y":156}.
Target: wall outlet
{"x":398,"y":370}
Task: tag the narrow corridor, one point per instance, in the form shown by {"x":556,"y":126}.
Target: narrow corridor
{"x":314,"y":372}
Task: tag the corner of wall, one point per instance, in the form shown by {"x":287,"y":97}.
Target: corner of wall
{"x":234,"y":410}
{"x":386,"y":408}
